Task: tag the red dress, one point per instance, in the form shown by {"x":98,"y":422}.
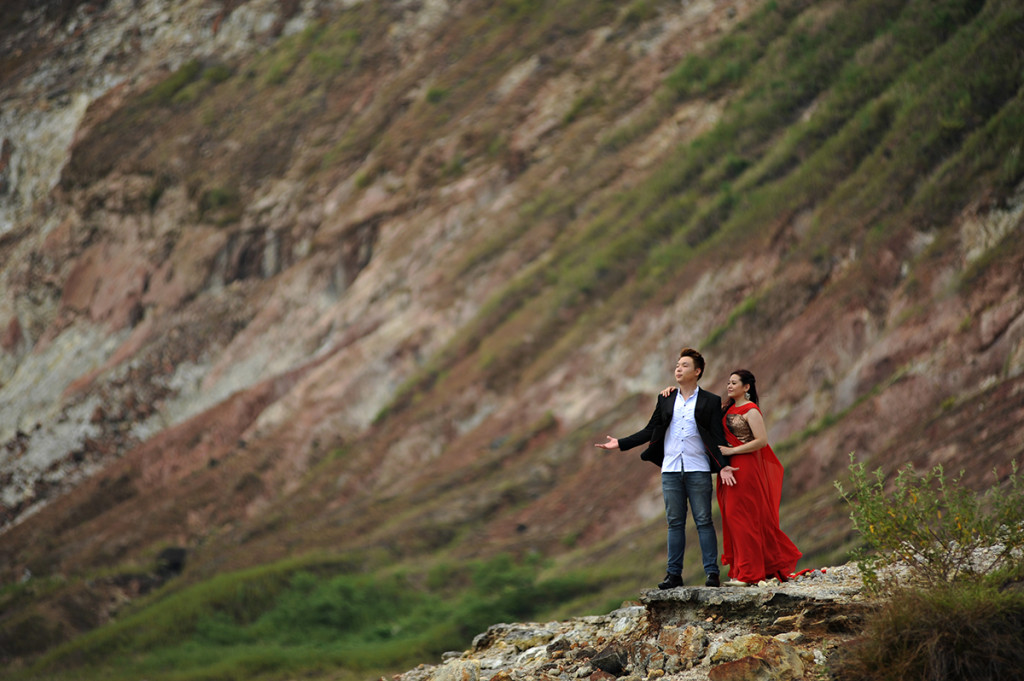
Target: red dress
{"x":753,"y":545}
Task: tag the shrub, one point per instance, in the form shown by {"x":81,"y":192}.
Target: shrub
{"x":222,"y":205}
{"x":941,"y":529}
{"x":436,"y":94}
{"x":960,"y":616}
{"x":217,"y":73}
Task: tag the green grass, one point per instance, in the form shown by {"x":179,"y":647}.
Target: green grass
{"x":729,"y":60}
{"x":748,"y":306}
{"x":293,"y":617}
{"x":164,"y":91}
{"x":891,"y":130}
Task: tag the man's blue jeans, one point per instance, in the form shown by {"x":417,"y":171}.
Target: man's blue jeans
{"x":696,"y":487}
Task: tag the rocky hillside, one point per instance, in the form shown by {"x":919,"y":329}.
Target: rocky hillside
{"x":369,"y":279}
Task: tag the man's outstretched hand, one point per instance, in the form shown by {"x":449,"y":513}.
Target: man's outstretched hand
{"x":610,"y":443}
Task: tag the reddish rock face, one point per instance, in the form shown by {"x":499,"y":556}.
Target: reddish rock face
{"x":107,"y":284}
{"x":12,"y":335}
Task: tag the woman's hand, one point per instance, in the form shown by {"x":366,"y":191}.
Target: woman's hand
{"x":668,"y":391}
{"x":727,"y":451}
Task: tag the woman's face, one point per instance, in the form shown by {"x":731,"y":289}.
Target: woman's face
{"x":736,"y":388}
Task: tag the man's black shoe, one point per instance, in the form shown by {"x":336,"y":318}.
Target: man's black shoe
{"x":671,"y":581}
{"x":712,"y":580}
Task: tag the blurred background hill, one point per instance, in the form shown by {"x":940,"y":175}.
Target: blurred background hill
{"x":313,"y":310}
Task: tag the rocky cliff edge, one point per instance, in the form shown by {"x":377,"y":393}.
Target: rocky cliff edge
{"x":769,"y":632}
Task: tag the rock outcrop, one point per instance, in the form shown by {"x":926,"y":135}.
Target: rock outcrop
{"x":773,"y":632}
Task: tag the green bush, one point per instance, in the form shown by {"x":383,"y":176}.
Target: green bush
{"x":960,"y":615}
{"x":221,"y":205}
{"x":940,"y":528}
{"x":436,"y":94}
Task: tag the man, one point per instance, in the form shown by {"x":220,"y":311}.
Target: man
{"x":683,"y":438}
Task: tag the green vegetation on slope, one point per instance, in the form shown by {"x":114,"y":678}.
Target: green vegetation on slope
{"x":850,"y":111}
{"x":302,"y":616}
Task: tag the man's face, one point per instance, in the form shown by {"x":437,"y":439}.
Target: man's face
{"x":686,"y":373}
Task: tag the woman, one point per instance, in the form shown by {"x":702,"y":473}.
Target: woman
{"x":753,"y":545}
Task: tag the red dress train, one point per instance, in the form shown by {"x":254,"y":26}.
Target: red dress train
{"x":753,"y":545}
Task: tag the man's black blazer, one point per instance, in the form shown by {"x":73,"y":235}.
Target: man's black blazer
{"x":708,"y":414}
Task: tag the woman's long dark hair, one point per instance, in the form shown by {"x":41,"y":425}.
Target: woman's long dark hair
{"x":747,"y":379}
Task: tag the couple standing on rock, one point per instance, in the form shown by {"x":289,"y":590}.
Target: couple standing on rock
{"x":690,"y":436}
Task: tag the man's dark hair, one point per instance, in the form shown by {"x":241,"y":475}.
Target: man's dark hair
{"x":698,"y":359}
